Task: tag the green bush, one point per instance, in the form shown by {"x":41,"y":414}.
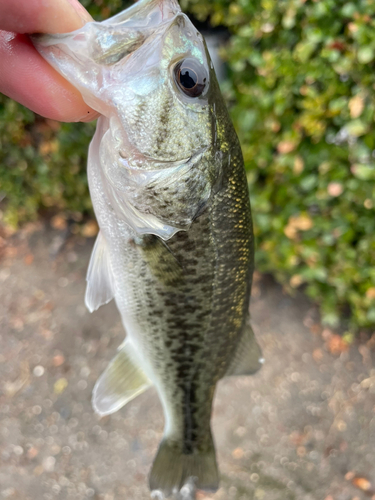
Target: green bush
{"x":42,"y":164}
{"x":301,"y":88}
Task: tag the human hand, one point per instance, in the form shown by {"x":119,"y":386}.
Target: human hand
{"x":24,"y":75}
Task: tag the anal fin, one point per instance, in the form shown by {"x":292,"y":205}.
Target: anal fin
{"x":121,"y":382}
{"x":100,"y":282}
{"x":248,"y":356}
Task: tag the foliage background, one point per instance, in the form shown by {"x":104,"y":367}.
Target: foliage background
{"x":301,"y":87}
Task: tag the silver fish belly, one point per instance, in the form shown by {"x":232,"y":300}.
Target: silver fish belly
{"x":175,"y":248}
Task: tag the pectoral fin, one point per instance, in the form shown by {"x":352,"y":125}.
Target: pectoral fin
{"x":248,"y":356}
{"x":121,"y":382}
{"x":163,"y":264}
{"x":100,"y":282}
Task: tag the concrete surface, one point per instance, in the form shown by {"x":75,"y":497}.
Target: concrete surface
{"x":301,"y":429}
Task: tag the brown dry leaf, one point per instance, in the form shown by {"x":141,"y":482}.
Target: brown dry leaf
{"x":290,"y":232}
{"x":32,"y":227}
{"x":59,"y":222}
{"x":301,"y":222}
{"x":371,"y":342}
{"x":285,"y":147}
{"x":336,"y":344}
{"x":238,"y":453}
{"x":362,"y":483}
{"x":298,"y":165}
{"x":90,"y":229}
{"x":317,"y":354}
{"x":202,"y":495}
{"x":17,"y":323}
{"x":337,"y":45}
{"x":256,"y":276}
{"x":54,"y":125}
{"x":297,"y":223}
{"x":370,"y":293}
{"x":301,"y":451}
{"x":38,"y":470}
{"x":11,"y":388}
{"x":356,"y":105}
{"x":316,"y":328}
{"x":327,"y":334}
{"x":341,"y":425}
{"x":296,"y":438}
{"x":47,"y":147}
{"x":352,"y":27}
{"x":46,"y":333}
{"x":343,"y":446}
{"x":7,"y":230}
{"x":334,"y":189}
{"x":275,"y":126}
{"x":29,"y":259}
{"x":26,"y":140}
{"x":11,"y":252}
{"x":368,"y":203}
{"x":296,"y":280}
{"x":366,"y":354}
{"x":58,"y":360}
{"x":32,"y":453}
{"x":48,"y":306}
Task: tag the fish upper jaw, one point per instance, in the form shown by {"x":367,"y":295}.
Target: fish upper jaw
{"x":146,"y":12}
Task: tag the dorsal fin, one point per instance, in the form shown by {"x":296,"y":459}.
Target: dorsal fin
{"x":100,"y":282}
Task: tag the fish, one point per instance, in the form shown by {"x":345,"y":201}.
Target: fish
{"x":175,"y":248}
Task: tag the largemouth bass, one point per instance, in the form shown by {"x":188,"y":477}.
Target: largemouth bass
{"x":175,"y":248}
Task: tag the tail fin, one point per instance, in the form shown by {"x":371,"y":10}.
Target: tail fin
{"x":172,"y":469}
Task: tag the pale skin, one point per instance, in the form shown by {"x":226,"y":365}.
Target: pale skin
{"x":24,"y":75}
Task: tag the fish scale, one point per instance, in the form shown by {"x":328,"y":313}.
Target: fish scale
{"x":175,"y":248}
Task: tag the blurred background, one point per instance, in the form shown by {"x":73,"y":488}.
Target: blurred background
{"x":299,"y":80}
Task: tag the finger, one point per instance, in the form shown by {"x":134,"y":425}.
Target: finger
{"x":42,"y":16}
{"x":24,"y":75}
{"x":27,"y":78}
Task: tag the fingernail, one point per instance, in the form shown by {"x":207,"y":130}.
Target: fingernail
{"x":81,"y":11}
{"x":89,"y":116}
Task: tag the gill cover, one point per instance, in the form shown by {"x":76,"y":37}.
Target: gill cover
{"x":154,"y":145}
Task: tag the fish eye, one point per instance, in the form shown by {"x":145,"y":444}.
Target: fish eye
{"x":191,"y":77}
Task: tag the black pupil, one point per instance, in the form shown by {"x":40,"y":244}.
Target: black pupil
{"x":191,"y":76}
{"x":188,"y":78}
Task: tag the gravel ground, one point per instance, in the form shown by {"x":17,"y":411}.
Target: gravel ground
{"x":303,"y":428}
